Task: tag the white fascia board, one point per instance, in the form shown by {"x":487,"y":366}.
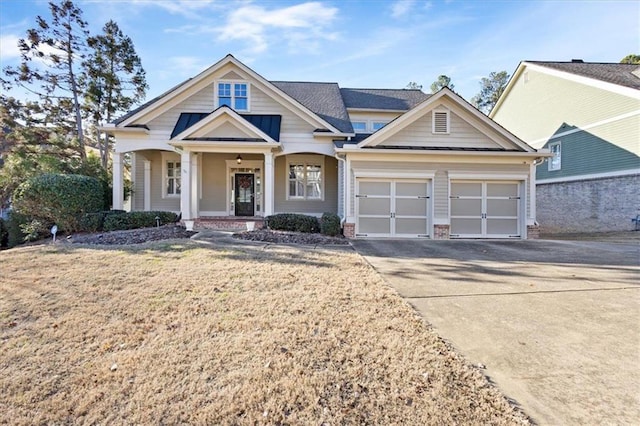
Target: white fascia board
{"x":122,"y":146}
{"x":333,"y":135}
{"x":507,"y":89}
{"x":395,"y":111}
{"x":461,"y":175}
{"x":232,"y":116}
{"x":124,"y":130}
{"x":226,"y":146}
{"x":421,"y":152}
{"x":618,"y":173}
{"x":393,"y":173}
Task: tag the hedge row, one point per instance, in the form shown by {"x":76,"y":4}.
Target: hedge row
{"x":329,"y":223}
{"x":134,"y":220}
{"x":4,"y":234}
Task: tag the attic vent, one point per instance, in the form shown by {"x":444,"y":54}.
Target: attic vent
{"x":441,"y":122}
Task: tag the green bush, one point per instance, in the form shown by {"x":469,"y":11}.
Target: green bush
{"x":330,"y":224}
{"x":293,"y":222}
{"x":134,"y":220}
{"x":59,"y":199}
{"x":15,"y":233}
{"x":4,"y":234}
{"x":94,"y":222}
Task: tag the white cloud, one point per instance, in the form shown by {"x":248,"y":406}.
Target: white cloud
{"x":401,"y":7}
{"x":300,"y":25}
{"x":9,"y":47}
{"x":187,"y":8}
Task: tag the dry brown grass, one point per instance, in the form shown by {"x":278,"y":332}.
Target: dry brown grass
{"x":177,"y":332}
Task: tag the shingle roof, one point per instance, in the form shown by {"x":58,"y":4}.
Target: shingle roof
{"x":384,"y":99}
{"x":627,"y":75}
{"x":321,"y":98}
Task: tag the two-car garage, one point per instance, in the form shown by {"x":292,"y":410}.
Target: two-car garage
{"x":399,"y":207}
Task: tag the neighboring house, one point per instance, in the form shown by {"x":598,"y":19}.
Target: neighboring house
{"x":392,"y":163}
{"x":588,"y":116}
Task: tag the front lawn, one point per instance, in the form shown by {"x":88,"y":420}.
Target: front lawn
{"x":176,"y":332}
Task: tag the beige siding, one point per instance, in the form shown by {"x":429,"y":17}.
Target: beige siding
{"x":227,"y":130}
{"x":231,"y":75}
{"x":330,"y":202}
{"x":461,"y":135}
{"x":199,"y":102}
{"x":548,"y":102}
{"x":441,"y":180}
{"x":158,"y":201}
{"x":213,"y":195}
{"x":291,"y":123}
{"x":137,"y":175}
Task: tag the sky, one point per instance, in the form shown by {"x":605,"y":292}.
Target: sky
{"x":361,"y":44}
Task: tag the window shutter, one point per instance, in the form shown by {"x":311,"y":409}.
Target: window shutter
{"x":440,"y":122}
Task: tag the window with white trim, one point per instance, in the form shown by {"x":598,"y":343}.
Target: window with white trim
{"x":234,"y":95}
{"x":359,"y":126}
{"x":305,"y":177}
{"x":377,"y":125}
{"x":440,"y":122}
{"x":555,"y":162}
{"x":368,"y":126}
{"x":172,"y":178}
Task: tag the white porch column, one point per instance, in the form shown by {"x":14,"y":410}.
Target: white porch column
{"x":186,"y":187}
{"x":118,"y":181}
{"x":195,"y":193}
{"x":269,"y":183}
{"x":532,"y":195}
{"x":147,"y":185}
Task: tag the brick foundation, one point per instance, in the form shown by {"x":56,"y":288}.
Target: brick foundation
{"x":349,"y":230}
{"x":533,"y":232}
{"x":440,"y":232}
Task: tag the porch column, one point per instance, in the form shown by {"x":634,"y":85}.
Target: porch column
{"x":195,"y":194}
{"x":269,"y":184}
{"x":186,"y":187}
{"x":118,"y":181}
{"x":147,"y":185}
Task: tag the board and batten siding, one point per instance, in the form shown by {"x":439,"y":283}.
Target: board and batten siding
{"x":537,"y":108}
{"x":330,"y":202}
{"x":441,"y":179}
{"x":461,"y":135}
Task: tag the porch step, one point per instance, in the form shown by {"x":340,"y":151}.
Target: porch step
{"x":228,"y":223}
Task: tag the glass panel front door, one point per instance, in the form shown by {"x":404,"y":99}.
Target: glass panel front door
{"x":245,"y":194}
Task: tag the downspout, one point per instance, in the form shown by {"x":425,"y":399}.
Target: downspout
{"x":340,"y":157}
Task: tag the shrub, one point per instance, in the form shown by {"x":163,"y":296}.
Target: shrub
{"x":4,"y":234}
{"x":293,"y":222}
{"x":330,"y":224}
{"x":94,"y":222}
{"x":15,"y":224}
{"x":134,"y":220}
{"x":59,"y":199}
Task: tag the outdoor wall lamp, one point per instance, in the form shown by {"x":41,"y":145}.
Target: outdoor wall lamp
{"x":239,"y":159}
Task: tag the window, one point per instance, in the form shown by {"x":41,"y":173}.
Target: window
{"x":172,"y":178}
{"x":234,"y":95}
{"x":367,"y":126}
{"x":440,"y":122}
{"x":555,"y":162}
{"x":359,"y":126}
{"x":305,"y":177}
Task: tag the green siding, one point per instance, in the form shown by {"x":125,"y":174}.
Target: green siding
{"x":586,"y":153}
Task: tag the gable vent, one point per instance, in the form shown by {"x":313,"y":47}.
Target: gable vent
{"x":441,"y":122}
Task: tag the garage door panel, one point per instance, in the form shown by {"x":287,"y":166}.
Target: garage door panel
{"x":417,"y":189}
{"x":375,"y":188}
{"x":502,"y":226}
{"x":466,"y":189}
{"x":466,"y":226}
{"x":375,"y":206}
{"x":411,"y":226}
{"x":462,"y":207}
{"x":373,"y":225}
{"x":502,"y":190}
{"x":502,"y":208}
{"x":411,"y":207}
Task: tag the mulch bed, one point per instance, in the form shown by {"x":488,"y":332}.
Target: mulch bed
{"x":282,"y":237}
{"x":133,"y":236}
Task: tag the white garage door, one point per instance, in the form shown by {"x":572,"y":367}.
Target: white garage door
{"x":485,"y":209}
{"x":392,"y":208}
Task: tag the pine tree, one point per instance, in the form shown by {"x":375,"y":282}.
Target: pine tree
{"x":492,"y":88}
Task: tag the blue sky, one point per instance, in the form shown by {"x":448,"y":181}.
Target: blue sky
{"x":355,"y":43}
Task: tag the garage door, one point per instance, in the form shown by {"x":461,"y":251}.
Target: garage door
{"x":485,"y":209}
{"x":392,"y":208}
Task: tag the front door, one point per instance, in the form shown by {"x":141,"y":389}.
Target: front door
{"x":245,"y":194}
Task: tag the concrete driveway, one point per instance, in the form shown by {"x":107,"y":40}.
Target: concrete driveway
{"x":557,"y":323}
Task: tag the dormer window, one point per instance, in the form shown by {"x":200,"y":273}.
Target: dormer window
{"x":440,"y":122}
{"x":368,"y":126}
{"x":234,"y":95}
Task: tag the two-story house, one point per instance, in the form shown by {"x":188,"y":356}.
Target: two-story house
{"x":229,"y":144}
{"x":588,"y":115}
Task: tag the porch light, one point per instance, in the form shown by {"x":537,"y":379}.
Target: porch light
{"x":239,"y":159}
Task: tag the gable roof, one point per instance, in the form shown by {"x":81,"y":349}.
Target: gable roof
{"x":269,"y":124}
{"x":627,"y":75}
{"x":432,"y":101}
{"x":382,"y":99}
{"x":323,"y":99}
